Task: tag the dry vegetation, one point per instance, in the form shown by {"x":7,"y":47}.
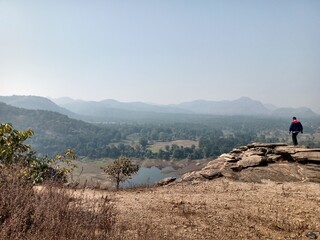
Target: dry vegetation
{"x":50,"y":212}
{"x":218,"y":209}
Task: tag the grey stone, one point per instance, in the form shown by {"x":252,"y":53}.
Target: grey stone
{"x":255,"y":152}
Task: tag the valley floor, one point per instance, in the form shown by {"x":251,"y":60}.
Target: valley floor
{"x":218,"y":209}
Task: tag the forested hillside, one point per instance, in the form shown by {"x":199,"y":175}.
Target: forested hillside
{"x":212,"y":135}
{"x":54,"y":132}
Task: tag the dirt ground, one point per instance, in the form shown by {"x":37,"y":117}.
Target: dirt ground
{"x":218,"y":209}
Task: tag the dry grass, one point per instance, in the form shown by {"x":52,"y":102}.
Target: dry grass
{"x":219,"y":209}
{"x":51,"y":212}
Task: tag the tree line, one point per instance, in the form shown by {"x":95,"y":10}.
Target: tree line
{"x":54,"y":132}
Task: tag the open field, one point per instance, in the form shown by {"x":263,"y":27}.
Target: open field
{"x":219,"y":209}
{"x":161,"y":145}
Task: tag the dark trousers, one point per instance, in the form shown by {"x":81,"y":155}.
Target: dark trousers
{"x":294,"y":138}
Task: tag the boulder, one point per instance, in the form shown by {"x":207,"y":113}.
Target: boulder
{"x":210,"y":174}
{"x":217,"y":164}
{"x":286,"y":155}
{"x":252,"y":161}
{"x":286,"y":149}
{"x":235,"y":157}
{"x":166,"y":181}
{"x":229,"y":157}
{"x":191,"y":176}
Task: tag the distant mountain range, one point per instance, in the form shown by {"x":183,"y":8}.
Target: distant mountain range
{"x":244,"y":106}
{"x":112,"y":110}
{"x":241,"y":106}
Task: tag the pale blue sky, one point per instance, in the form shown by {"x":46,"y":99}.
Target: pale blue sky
{"x":162,"y":51}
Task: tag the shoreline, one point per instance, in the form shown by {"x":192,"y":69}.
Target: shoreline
{"x":90,"y":174}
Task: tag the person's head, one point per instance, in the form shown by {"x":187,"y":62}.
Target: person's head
{"x":294,"y":118}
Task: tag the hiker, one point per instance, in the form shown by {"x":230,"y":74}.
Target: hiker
{"x":295,"y":128}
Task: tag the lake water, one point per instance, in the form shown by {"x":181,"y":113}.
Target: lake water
{"x":149,"y":176}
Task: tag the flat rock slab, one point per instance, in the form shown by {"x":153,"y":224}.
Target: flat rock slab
{"x":310,"y":156}
{"x":277,"y":172}
{"x":252,"y":161}
{"x":295,"y":149}
{"x":269,"y":145}
{"x":259,"y":151}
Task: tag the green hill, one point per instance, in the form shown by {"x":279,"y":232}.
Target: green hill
{"x":55,"y":132}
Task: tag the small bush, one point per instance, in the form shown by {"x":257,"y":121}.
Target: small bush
{"x":14,"y":152}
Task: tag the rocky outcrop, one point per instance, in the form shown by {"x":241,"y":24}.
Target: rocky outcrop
{"x":257,"y":162}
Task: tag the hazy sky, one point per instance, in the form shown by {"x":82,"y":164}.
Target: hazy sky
{"x":162,"y":51}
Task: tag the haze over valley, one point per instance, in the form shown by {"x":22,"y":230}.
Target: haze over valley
{"x":108,"y":109}
{"x":109,"y":128}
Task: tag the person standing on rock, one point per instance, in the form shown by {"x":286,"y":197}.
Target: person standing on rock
{"x":295,"y":128}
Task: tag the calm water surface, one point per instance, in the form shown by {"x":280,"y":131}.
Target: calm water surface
{"x":150,"y":176}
